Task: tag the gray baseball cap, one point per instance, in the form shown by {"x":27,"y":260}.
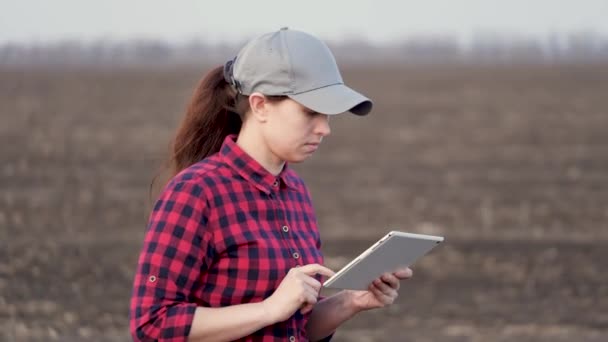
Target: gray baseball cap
{"x":298,"y":65}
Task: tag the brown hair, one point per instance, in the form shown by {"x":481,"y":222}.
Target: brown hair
{"x":215,"y":111}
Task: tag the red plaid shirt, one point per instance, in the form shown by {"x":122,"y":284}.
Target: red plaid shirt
{"x":224,"y":231}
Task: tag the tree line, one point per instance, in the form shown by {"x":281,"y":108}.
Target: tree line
{"x":582,"y":47}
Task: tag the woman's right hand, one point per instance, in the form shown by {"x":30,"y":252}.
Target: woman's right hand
{"x":298,"y":290}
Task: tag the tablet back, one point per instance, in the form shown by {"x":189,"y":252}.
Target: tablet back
{"x":395,"y":250}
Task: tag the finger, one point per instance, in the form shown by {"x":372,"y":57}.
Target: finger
{"x":380,"y":296}
{"x":391,"y":280}
{"x":312,"y":282}
{"x":309,"y":298}
{"x":385,"y":288}
{"x":311,"y":293}
{"x":404,"y":273}
{"x":312,"y":269}
{"x":306,"y":309}
{"x":388,"y":296}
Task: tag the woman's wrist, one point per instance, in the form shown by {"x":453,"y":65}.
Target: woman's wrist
{"x":266,"y":313}
{"x":351,"y":304}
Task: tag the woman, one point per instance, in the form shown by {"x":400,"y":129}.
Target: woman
{"x":232,"y":249}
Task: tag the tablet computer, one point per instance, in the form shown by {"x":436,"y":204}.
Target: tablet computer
{"x":393,"y":251}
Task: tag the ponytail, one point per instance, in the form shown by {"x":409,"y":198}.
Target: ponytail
{"x":210,"y":117}
{"x":214,"y":111}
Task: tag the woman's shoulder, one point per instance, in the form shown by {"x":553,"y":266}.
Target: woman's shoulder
{"x":201,"y":175}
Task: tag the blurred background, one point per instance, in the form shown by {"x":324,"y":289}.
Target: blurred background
{"x":489,"y":128}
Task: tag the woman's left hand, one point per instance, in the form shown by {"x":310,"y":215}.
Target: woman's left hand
{"x":382,"y":292}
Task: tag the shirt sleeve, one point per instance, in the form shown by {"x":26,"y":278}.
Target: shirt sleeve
{"x":176,"y":249}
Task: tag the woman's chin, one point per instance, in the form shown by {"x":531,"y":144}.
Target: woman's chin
{"x":299,"y":158}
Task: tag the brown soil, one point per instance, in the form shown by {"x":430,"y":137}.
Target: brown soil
{"x":510,"y":164}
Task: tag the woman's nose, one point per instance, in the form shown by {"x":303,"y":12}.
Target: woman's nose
{"x":322,"y":125}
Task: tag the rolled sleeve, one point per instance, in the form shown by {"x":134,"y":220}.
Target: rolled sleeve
{"x":174,"y":253}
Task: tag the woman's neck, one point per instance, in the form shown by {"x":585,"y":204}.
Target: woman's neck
{"x":256,"y":148}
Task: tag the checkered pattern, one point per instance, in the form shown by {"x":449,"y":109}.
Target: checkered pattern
{"x":224,"y":231}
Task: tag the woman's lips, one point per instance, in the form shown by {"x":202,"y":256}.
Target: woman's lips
{"x":312,"y":146}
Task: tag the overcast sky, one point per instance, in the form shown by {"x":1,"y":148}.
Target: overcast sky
{"x":378,"y":20}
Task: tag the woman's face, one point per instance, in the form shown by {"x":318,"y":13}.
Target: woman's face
{"x":293,"y":132}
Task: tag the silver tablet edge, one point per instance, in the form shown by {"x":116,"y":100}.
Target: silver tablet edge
{"x":353,"y":262}
{"x":357,"y":259}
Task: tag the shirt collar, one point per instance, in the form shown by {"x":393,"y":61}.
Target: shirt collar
{"x":251,"y":170}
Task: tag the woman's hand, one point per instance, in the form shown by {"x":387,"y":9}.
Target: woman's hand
{"x":298,"y":290}
{"x":382,"y":291}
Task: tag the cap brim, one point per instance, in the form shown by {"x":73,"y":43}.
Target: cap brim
{"x":334,"y":99}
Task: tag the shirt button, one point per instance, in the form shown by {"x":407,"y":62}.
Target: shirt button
{"x":285,"y":229}
{"x":296,"y":255}
{"x":152,"y":279}
{"x":292,"y":338}
{"x":276,"y":183}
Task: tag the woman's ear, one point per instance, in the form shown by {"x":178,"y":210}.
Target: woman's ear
{"x":259,"y":107}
